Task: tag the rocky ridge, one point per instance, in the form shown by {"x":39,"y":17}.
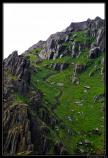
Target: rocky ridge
{"x":53,"y":47}
{"x":27,"y":120}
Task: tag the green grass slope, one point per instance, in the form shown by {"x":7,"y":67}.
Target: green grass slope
{"x":73,"y":104}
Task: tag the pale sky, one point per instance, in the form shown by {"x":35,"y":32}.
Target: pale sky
{"x":24,"y":24}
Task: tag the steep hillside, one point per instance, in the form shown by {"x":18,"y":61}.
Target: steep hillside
{"x":53,"y":96}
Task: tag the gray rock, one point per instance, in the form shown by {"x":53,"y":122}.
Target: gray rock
{"x":55,"y":41}
{"x":17,"y":129}
{"x":64,"y":66}
{"x":59,"y":67}
{"x":19,"y":66}
{"x":75,"y":49}
{"x":101,"y":39}
{"x":94,"y":52}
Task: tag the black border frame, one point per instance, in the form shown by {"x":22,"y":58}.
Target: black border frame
{"x":91,"y":156}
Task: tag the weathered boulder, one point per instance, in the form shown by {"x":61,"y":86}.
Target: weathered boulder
{"x":94,"y":52}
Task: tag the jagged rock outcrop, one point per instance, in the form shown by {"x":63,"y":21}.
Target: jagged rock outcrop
{"x":19,"y":66}
{"x":54,"y":44}
{"x":41,"y":44}
{"x":16,"y":123}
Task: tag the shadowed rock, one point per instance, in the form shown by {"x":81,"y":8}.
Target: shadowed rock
{"x":59,"y":67}
{"x":94,"y":52}
{"x":16,"y":125}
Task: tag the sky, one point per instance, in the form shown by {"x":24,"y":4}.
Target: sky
{"x":25,"y":24}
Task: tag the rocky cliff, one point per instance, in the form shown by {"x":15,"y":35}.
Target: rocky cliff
{"x":40,"y":83}
{"x":54,"y":46}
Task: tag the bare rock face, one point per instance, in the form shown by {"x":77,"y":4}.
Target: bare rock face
{"x":75,"y":50}
{"x":16,"y":125}
{"x":10,"y":61}
{"x":101,"y":39}
{"x":19,"y":66}
{"x":53,"y":45}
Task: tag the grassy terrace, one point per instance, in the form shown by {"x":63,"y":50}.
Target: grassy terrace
{"x":86,"y":116}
